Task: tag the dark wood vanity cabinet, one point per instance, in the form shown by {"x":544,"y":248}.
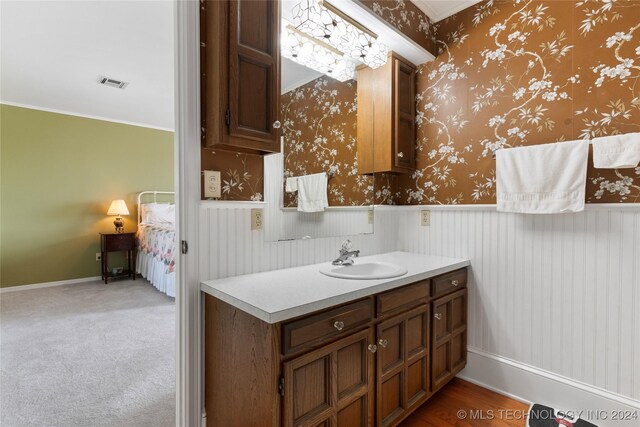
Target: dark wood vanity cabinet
{"x":449,"y":330}
{"x":402,"y":381}
{"x":240,"y":74}
{"x":331,"y":386}
{"x":386,"y":128}
{"x":448,"y":338}
{"x":369,"y":362}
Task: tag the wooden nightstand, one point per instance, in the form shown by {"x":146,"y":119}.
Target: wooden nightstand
{"x":118,"y":242}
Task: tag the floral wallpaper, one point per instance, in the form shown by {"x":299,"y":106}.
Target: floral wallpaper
{"x":406,"y":18}
{"x":513,"y":73}
{"x":319,"y":129}
{"x":241,"y":174}
{"x":507,"y":73}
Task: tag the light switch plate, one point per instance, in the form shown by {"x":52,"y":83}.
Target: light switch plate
{"x":425,"y":218}
{"x":370,"y":215}
{"x":256,"y":219}
{"x":212,"y":184}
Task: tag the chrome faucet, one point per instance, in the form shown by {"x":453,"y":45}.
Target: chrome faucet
{"x":346,"y":254}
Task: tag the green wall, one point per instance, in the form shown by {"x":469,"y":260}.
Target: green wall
{"x":59,"y":174}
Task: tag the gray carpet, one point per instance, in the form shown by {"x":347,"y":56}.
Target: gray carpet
{"x":87,"y":355}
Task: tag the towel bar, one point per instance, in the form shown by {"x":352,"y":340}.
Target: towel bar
{"x":493,"y":155}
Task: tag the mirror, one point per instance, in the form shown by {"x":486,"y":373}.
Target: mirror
{"x":313,"y":187}
{"x":318,"y":117}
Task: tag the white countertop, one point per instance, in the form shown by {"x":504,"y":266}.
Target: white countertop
{"x":278,"y":295}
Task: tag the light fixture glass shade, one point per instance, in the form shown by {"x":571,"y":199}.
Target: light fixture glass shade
{"x":311,"y":17}
{"x":313,"y":54}
{"x":118,"y":207}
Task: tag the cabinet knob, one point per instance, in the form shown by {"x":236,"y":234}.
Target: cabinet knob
{"x":338,"y":324}
{"x":372,"y":348}
{"x":277,"y":124}
{"x":438,"y":316}
{"x":454,"y":282}
{"x":400,"y":154}
{"x":383,"y":343}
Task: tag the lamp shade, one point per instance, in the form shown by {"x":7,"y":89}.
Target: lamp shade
{"x":118,"y":207}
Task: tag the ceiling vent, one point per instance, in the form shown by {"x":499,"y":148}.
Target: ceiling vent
{"x":107,"y":81}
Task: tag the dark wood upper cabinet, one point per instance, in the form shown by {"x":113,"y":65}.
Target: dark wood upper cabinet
{"x":240,"y":74}
{"x":404,"y":116}
{"x":386,"y":117}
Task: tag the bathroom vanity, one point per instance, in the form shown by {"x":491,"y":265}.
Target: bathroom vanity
{"x":295,"y":347}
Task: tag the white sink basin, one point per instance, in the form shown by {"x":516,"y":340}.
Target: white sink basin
{"x":364,"y":271}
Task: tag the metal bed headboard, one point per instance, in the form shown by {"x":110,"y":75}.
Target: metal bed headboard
{"x":155,"y":199}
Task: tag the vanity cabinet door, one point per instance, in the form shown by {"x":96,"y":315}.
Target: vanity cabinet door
{"x":332,"y":386}
{"x":449,"y":338}
{"x":402,"y":380}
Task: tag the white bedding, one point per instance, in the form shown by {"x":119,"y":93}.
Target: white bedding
{"x":156,"y":255}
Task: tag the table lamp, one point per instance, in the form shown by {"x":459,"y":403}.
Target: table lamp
{"x":118,"y":208}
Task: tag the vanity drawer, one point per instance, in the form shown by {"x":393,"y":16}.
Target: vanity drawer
{"x":397,"y":300}
{"x":449,"y":282}
{"x":310,"y":331}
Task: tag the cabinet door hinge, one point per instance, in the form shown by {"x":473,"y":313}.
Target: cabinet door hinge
{"x":281,"y":386}
{"x":185,"y":247}
{"x":227,"y":117}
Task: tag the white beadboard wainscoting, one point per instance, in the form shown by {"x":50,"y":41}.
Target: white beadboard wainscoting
{"x":554,"y":300}
{"x":547,"y":293}
{"x":228,"y":247}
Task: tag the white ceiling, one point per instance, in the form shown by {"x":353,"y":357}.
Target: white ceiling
{"x":437,"y":10}
{"x":294,"y":75}
{"x":54,"y":51}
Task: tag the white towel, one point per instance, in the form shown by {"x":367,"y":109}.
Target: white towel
{"x":291,"y":185}
{"x":617,"y":151}
{"x":549,"y":178}
{"x":312,"y":193}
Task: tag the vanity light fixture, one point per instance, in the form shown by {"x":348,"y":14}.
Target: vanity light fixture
{"x":315,"y":54}
{"x":322,"y":21}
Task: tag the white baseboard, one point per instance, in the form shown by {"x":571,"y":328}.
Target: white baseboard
{"x":49,"y":284}
{"x":529,"y":384}
{"x":84,"y":116}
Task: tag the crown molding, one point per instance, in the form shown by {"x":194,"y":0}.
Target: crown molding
{"x":84,"y":116}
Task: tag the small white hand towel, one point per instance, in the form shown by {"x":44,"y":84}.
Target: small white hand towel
{"x":312,"y":193}
{"x":291,"y":185}
{"x":617,"y":151}
{"x":548,"y":178}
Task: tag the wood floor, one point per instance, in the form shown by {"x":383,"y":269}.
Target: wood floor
{"x":461,"y":403}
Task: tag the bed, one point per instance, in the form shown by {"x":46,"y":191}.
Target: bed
{"x":156,"y":240}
